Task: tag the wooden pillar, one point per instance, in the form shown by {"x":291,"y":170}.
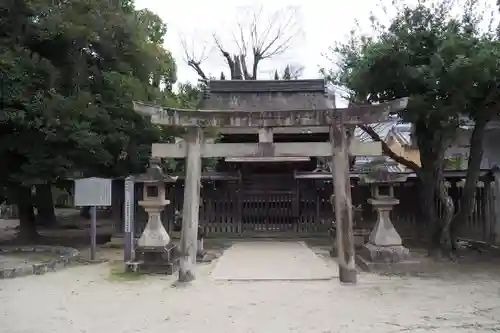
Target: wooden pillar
{"x":239,"y":207}
{"x":496,"y":208}
{"x":343,"y":204}
{"x":296,"y":206}
{"x":191,"y":205}
{"x":487,"y":209}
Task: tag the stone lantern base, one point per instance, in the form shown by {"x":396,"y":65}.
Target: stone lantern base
{"x":384,"y":250}
{"x":158,"y":260}
{"x":155,"y":253}
{"x":385,"y":254}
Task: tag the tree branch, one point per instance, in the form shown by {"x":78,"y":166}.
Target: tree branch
{"x":243,"y":64}
{"x":193,"y":61}
{"x":197,"y":67}
{"x":241,"y":43}
{"x":227,"y":56}
{"x":282,"y":34}
{"x":388,"y":151}
{"x":255,"y":66}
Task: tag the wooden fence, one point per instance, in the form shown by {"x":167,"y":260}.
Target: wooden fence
{"x":227,"y":207}
{"x":299,"y":206}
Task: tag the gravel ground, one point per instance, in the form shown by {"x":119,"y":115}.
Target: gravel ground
{"x":85,"y":299}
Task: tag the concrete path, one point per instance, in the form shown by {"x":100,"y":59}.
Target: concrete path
{"x":254,"y":261}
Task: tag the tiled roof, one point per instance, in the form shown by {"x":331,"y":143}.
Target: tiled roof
{"x":382,"y":129}
{"x":404,"y":138}
{"x":259,"y":86}
{"x":402,"y":133}
{"x":267,"y":95}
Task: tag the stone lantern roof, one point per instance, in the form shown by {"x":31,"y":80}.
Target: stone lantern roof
{"x":155,"y":174}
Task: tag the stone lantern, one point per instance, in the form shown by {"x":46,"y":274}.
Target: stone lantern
{"x":155,"y":252}
{"x":384,"y":244}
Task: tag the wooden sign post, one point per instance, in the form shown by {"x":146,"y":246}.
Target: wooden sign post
{"x":93,"y":192}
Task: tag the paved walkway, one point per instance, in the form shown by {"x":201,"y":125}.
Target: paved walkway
{"x":254,"y":261}
{"x":84,"y":300}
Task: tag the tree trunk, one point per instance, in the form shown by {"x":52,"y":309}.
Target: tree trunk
{"x":472,"y":176}
{"x":448,"y":210}
{"x":24,"y":201}
{"x":432,"y":148}
{"x":429,"y":209}
{"x":45,"y":205}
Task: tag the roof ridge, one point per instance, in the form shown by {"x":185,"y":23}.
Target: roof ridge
{"x":257,"y":86}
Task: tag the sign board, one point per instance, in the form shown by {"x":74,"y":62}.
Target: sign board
{"x":129,"y":219}
{"x":129,"y":202}
{"x":93,"y":192}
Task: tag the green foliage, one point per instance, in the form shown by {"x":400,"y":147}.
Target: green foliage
{"x":189,"y":96}
{"x":450,"y":69}
{"x":445,"y":64}
{"x":69,"y":71}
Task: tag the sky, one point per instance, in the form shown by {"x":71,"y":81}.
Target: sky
{"x":321,"y":22}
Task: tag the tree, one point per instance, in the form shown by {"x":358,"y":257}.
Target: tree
{"x":292,"y":72}
{"x":257,"y":37}
{"x":286,"y":74}
{"x":438,"y":61}
{"x":70,"y":71}
{"x":189,"y":96}
{"x":483,"y":93}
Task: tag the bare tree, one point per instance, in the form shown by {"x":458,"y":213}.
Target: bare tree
{"x":256,"y":37}
{"x":194,"y":59}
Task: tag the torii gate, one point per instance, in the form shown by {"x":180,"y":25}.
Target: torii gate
{"x":341,"y":122}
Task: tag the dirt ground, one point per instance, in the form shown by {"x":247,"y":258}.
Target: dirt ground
{"x":95,"y":299}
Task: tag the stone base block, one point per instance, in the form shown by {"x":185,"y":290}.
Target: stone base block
{"x":384,"y":254}
{"x":403,"y":267}
{"x":166,"y":268}
{"x":141,"y":267}
{"x":348,"y":275}
{"x":157,"y":260}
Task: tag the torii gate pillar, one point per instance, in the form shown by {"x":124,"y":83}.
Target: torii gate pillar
{"x":343,"y":203}
{"x":191,"y":206}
